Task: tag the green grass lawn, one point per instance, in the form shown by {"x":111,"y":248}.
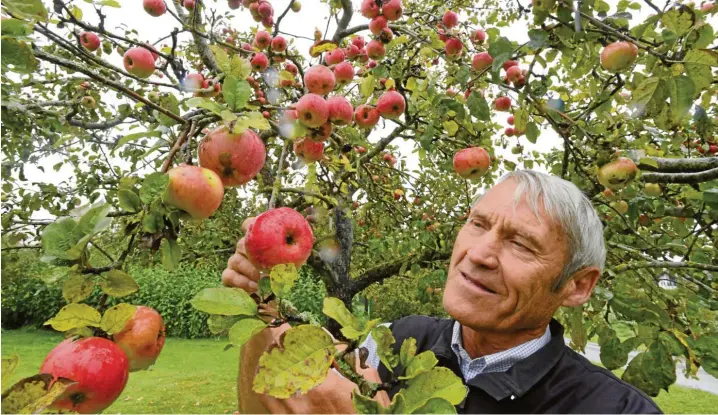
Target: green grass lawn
{"x":198,"y":376}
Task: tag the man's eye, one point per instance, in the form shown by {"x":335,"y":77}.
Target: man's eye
{"x":520,"y":245}
{"x":479,"y":225}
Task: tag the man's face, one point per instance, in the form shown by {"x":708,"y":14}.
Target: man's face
{"x":504,"y":264}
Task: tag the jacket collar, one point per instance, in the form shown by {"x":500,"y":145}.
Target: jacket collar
{"x":520,"y":378}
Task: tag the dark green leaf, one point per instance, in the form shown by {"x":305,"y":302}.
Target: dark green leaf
{"x":171,"y":254}
{"x":16,"y":55}
{"x":128,"y":200}
{"x":153,"y":186}
{"x":478,"y":106}
{"x":236,"y":92}
{"x":538,"y":38}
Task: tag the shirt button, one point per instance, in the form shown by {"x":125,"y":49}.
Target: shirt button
{"x":513,"y":397}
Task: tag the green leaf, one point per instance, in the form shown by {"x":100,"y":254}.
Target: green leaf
{"x":365,"y":405}
{"x":449,"y":104}
{"x":298,"y":366}
{"x":115,"y":318}
{"x":282,"y":278}
{"x":59,"y":237}
{"x":255,"y":120}
{"x":129,"y":201}
{"x":240,"y":67}
{"x":118,"y":283}
{"x":77,"y":287}
{"x":16,"y":55}
{"x":384,"y":340}
{"x":16,"y":28}
{"x":678,"y":20}
{"x":221,"y":57}
{"x":532,"y":132}
{"x":537,"y":38}
{"x":648,"y":96}
{"x":75,"y":316}
{"x":436,"y":406}
{"x":171,"y":254}
{"x":110,"y":3}
{"x":648,"y":161}
{"x":705,"y":349}
{"x":698,"y":65}
{"x":220,"y":324}
{"x":135,"y":136}
{"x":521,"y":119}
{"x":243,"y":330}
{"x":207,"y":104}
{"x":366,"y":88}
{"x":95,"y":220}
{"x":501,"y":46}
{"x":334,"y":308}
{"x":27,"y":9}
{"x":681,"y":91}
{"x":225,"y":301}
{"x":652,"y":370}
{"x":639,"y":309}
{"x":422,"y":363}
{"x":440,"y":382}
{"x":478,"y":107}
{"x":170,"y":103}
{"x":153,"y":222}
{"x":236,"y":92}
{"x":8,"y":368}
{"x":153,"y":186}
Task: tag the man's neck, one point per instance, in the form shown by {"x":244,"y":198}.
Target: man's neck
{"x":483,"y":343}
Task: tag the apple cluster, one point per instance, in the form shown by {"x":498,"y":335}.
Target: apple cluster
{"x":100,"y":366}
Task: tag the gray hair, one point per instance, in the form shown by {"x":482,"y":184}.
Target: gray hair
{"x":568,"y":207}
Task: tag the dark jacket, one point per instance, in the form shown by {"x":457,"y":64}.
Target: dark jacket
{"x":555,"y":379}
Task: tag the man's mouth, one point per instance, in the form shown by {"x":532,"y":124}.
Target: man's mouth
{"x":477,"y":284}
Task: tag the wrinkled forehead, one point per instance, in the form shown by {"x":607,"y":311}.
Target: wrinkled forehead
{"x":508,"y":197}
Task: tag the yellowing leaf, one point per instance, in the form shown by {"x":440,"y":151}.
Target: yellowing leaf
{"x":366,"y":88}
{"x":115,"y":318}
{"x":33,"y":394}
{"x":118,"y":283}
{"x":436,"y":406}
{"x":421,"y":363}
{"x":222,"y":58}
{"x":77,"y":287}
{"x":323,"y":46}
{"x":282,"y":278}
{"x":440,"y":382}
{"x":300,"y":364}
{"x":73,"y":316}
{"x":8,"y":368}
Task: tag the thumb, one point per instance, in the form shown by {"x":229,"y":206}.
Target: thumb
{"x":247,"y":223}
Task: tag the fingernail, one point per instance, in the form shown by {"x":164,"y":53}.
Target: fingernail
{"x":253,"y":285}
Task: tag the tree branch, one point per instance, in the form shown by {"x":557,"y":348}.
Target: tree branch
{"x":344,"y":21}
{"x":665,"y":264}
{"x":685,"y":178}
{"x":385,"y":271}
{"x":680,"y":165}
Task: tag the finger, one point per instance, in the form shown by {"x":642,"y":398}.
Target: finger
{"x":241,"y":247}
{"x":242,"y":265}
{"x":247,"y":223}
{"x":231,"y":278}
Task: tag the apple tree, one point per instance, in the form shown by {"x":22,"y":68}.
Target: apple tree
{"x":358,"y":148}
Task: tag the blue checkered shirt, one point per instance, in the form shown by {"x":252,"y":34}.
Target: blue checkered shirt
{"x":470,"y":368}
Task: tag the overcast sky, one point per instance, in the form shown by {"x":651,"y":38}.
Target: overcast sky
{"x":313,"y":14}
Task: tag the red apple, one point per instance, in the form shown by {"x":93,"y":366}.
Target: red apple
{"x":320,"y":134}
{"x":309,"y":151}
{"x":262,"y":39}
{"x":265,"y":9}
{"x":236,"y":158}
{"x":139,"y":62}
{"x":510,"y":120}
{"x":344,"y":73}
{"x":351,"y":52}
{"x":386,"y":35}
{"x":291,"y":68}
{"x":313,"y":110}
{"x":209,"y":83}
{"x":369,"y":9}
{"x":335,"y":56}
{"x":360,"y":149}
{"x":234,"y":4}
{"x":377,"y":24}
{"x":478,"y":37}
{"x":509,"y":63}
{"x":279,"y":44}
{"x":143,"y":336}
{"x":99,"y":367}
{"x":279,"y":236}
{"x":259,"y":62}
{"x":392,"y":9}
{"x":195,"y":190}
{"x":618,"y":56}
{"x":188,"y":4}
{"x":509,"y":132}
{"x":375,"y":50}
{"x":358,"y":41}
{"x":391,"y":104}
{"x":472,"y":163}
{"x":366,"y":116}
{"x":707,"y":7}
{"x":340,"y":110}
{"x":618,"y":173}
{"x":90,"y":41}
{"x":193,"y":81}
{"x":453,"y":47}
{"x":450,"y":19}
{"x":154,"y":7}
{"x":481,"y":61}
{"x":513,"y":74}
{"x":319,"y":80}
{"x":502,"y":103}
{"x":362,"y":57}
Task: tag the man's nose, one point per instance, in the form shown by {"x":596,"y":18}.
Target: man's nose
{"x":484,"y":250}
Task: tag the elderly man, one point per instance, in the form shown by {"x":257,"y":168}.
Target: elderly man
{"x":532,"y":244}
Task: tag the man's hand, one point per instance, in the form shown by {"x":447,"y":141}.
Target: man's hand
{"x":332,"y":396}
{"x":240,"y":272}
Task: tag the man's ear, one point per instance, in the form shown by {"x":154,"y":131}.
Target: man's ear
{"x":579,"y":287}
